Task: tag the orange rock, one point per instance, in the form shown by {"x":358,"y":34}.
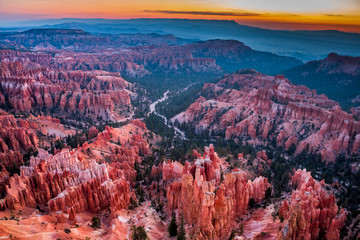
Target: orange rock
{"x":60,"y":218}
{"x":66,"y":184}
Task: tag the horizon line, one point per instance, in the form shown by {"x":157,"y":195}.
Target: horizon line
{"x":5,"y":23}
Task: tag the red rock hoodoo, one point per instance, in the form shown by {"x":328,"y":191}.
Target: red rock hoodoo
{"x":207,"y":202}
{"x":312,"y":212}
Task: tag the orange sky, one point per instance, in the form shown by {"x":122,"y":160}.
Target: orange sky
{"x":275,"y":14}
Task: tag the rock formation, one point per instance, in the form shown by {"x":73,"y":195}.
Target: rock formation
{"x":65,"y":183}
{"x":31,"y":88}
{"x":17,"y":136}
{"x":208,"y":202}
{"x":261,"y":109}
{"x":312,"y":212}
{"x":93,"y":132}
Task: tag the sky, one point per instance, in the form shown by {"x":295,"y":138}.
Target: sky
{"x":341,"y":15}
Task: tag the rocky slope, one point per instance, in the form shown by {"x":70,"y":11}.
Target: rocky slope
{"x":262,"y":109}
{"x":210,"y":57}
{"x":233,"y":55}
{"x":52,"y":39}
{"x":23,"y":136}
{"x":64,"y":183}
{"x":337,"y":76}
{"x":17,"y":134}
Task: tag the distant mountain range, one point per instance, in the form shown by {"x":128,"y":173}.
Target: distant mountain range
{"x":304,"y":45}
{"x":337,"y":76}
{"x":156,"y":54}
{"x":42,"y":39}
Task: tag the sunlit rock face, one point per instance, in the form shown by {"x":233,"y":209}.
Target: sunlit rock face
{"x":312,"y":212}
{"x":209,"y":203}
{"x":262,"y":109}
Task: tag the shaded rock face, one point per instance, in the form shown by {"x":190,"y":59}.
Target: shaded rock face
{"x":233,"y":55}
{"x":337,"y":76}
{"x":207,"y":202}
{"x":214,"y":57}
{"x":311,"y":213}
{"x":261,"y":109}
{"x":65,"y":183}
{"x":30,"y":87}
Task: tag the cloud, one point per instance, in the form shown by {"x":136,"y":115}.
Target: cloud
{"x":206,"y":13}
{"x":335,"y":15}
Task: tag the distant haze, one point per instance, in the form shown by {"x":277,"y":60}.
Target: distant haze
{"x":341,"y":15}
{"x":303,"y":45}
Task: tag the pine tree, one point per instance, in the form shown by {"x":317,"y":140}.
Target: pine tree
{"x":95,"y":222}
{"x":173,"y":226}
{"x":232,"y":236}
{"x":139,"y":233}
{"x":182,"y":234}
{"x":222,"y":174}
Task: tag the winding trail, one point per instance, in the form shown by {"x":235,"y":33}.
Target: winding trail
{"x":178,"y":132}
